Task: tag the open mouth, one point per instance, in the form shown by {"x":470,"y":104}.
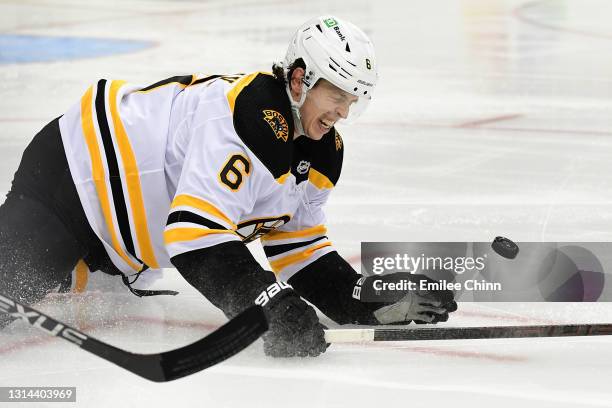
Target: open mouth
{"x":326,"y":124}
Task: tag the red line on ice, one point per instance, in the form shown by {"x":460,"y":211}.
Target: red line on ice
{"x":485,"y":121}
{"x":442,"y":352}
{"x":468,"y":354}
{"x":44,"y":339}
{"x":504,"y":317}
{"x":400,"y":124}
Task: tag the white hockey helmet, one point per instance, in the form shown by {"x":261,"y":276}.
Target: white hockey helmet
{"x":339,"y":52}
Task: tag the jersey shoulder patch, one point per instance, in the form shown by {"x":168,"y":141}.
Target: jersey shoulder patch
{"x":319,"y":161}
{"x":328,"y":161}
{"x":262,"y":119}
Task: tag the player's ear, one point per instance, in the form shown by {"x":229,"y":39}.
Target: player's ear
{"x":296,"y":83}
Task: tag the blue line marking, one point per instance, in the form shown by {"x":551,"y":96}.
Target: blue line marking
{"x":31,"y":48}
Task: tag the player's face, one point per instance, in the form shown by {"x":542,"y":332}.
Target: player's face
{"x":325,"y":104}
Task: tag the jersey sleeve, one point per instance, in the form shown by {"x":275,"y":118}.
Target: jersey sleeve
{"x":303,"y":240}
{"x":217,"y":185}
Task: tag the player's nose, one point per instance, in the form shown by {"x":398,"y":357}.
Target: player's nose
{"x":342,"y":111}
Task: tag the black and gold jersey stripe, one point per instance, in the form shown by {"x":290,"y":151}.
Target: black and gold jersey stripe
{"x":279,"y":249}
{"x":192,"y":218}
{"x":184,"y":80}
{"x":188,"y":80}
{"x":200,"y":226}
{"x":121,"y":211}
{"x":115,"y":161}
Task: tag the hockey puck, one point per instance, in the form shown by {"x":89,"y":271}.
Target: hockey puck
{"x":505,"y":247}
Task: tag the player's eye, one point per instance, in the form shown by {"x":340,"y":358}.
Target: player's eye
{"x":337,"y":98}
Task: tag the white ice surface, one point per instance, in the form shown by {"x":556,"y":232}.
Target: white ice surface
{"x":491,"y":118}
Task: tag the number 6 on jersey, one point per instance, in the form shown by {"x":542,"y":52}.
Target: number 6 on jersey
{"x":235,"y":170}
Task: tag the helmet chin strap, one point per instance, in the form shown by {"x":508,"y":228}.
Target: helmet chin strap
{"x":295,"y":109}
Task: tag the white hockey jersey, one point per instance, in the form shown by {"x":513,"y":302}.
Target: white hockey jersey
{"x":195,"y":161}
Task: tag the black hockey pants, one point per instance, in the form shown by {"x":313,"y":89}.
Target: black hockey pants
{"x":43,"y":229}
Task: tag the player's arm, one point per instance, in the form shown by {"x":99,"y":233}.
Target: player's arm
{"x":221,"y":178}
{"x":201,"y":240}
{"x":346,"y":297}
{"x":301,"y":253}
{"x":214,"y":190}
{"x":329,"y":282}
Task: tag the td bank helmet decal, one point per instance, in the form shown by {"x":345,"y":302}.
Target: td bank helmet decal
{"x":278,"y":123}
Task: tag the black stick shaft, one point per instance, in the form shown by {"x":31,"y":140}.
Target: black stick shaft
{"x":221,"y":344}
{"x":461,"y":333}
{"x":494,"y":332}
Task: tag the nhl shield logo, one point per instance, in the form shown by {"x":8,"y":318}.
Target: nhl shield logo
{"x":303,"y":167}
{"x":278,"y":123}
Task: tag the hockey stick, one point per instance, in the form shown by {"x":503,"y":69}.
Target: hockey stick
{"x":461,"y":333}
{"x":221,"y":344}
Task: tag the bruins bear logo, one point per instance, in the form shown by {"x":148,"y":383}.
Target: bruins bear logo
{"x":278,"y":124}
{"x":338,"y":141}
{"x":251,"y":230}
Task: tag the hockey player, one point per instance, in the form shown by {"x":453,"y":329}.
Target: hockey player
{"x":182,"y":173}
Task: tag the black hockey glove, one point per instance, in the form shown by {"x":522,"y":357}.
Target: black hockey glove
{"x":294,"y":326}
{"x":401,"y":297}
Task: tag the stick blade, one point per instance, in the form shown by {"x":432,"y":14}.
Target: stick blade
{"x":228,"y":340}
